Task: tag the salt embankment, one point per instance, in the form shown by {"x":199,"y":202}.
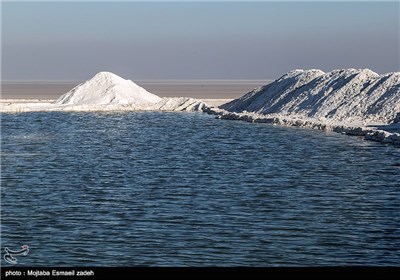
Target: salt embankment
{"x":350,"y":101}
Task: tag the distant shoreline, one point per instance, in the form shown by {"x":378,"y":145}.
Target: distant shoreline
{"x":201,"y":89}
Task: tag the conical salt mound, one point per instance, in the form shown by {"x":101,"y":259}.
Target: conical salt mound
{"x":107,"y":88}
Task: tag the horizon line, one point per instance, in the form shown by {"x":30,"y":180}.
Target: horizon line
{"x":136,"y":80}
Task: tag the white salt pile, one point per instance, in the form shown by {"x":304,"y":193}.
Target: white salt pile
{"x":351,"y":101}
{"x":107,"y":92}
{"x":187,"y":104}
{"x":107,"y":88}
{"x":340,"y":95}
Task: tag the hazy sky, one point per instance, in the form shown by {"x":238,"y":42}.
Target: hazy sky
{"x":179,"y":40}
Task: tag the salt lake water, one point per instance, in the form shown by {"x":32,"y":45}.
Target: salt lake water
{"x":186,"y":189}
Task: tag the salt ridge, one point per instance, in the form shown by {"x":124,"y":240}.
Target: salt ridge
{"x":340,"y":95}
{"x":350,"y":101}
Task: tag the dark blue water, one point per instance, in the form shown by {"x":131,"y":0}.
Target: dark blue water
{"x":181,"y":189}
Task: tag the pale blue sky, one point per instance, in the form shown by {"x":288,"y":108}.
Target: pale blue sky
{"x":178,"y":40}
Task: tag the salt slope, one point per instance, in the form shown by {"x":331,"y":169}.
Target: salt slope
{"x":349,"y":101}
{"x":106,"y":88}
{"x":348,"y":95}
{"x":187,"y":104}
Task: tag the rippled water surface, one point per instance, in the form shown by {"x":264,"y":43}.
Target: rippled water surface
{"x":181,"y":189}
